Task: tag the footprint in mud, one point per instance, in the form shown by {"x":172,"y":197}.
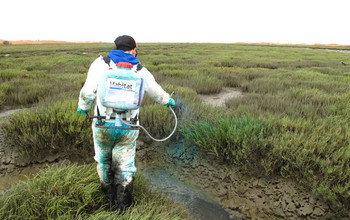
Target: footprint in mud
{"x":199,"y":203}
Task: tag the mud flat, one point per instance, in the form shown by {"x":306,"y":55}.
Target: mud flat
{"x":216,"y":191}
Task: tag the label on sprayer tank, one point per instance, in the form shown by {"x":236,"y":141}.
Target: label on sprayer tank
{"x":120,"y":90}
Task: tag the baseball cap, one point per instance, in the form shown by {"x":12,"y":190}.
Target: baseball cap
{"x":125,"y":43}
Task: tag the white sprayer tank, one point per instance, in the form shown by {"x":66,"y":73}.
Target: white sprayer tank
{"x":121,"y":88}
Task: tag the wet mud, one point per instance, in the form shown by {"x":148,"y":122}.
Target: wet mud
{"x":210,"y":189}
{"x":15,"y":167}
{"x":159,"y":165}
{"x":199,"y":203}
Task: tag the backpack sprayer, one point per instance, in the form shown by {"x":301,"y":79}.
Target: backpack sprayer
{"x":120,"y":92}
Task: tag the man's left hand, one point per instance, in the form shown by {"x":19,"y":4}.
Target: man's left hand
{"x":171,"y":103}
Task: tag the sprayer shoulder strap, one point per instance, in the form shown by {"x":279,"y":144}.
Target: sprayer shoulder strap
{"x":139,"y":67}
{"x":107,"y":60}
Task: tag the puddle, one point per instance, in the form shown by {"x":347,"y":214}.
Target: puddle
{"x":5,"y":161}
{"x":339,"y":51}
{"x":13,"y":167}
{"x":14,"y":175}
{"x":220,"y":98}
{"x":9,"y":112}
{"x":325,"y":49}
{"x":198,"y":202}
{"x":165,"y":165}
{"x":7,"y":181}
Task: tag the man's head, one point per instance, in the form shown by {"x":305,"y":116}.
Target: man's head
{"x":125,"y":43}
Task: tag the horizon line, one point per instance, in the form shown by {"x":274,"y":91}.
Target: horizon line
{"x":62,"y":41}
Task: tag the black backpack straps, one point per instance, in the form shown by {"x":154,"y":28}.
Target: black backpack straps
{"x":107,"y":60}
{"x":139,"y":67}
{"x":98,"y":111}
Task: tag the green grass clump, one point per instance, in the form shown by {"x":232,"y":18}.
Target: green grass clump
{"x":53,"y":126}
{"x":235,"y":140}
{"x":73,"y":192}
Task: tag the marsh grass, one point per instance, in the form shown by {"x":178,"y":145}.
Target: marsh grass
{"x":236,"y":140}
{"x":299,"y":149}
{"x":157,"y":119}
{"x":54,"y":126}
{"x":33,"y":89}
{"x":307,"y":98}
{"x":32,"y":73}
{"x":306,"y":151}
{"x":292,"y":119}
{"x":51,"y":127}
{"x":73,"y":192}
{"x":200,"y":83}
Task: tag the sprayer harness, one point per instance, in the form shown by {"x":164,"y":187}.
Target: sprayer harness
{"x":133,"y":126}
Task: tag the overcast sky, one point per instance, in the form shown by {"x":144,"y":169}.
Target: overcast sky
{"x":228,"y":21}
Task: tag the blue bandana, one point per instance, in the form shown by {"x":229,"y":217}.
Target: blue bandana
{"x":120,"y":56}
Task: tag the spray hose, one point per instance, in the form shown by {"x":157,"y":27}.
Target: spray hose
{"x":139,"y":126}
{"x":155,"y":139}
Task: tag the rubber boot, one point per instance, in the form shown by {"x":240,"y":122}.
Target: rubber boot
{"x":108,"y":190}
{"x":124,"y":196}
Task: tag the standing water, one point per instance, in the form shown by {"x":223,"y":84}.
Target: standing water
{"x":198,"y":203}
{"x":166,"y":178}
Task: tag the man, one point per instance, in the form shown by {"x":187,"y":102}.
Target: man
{"x":115,"y":147}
